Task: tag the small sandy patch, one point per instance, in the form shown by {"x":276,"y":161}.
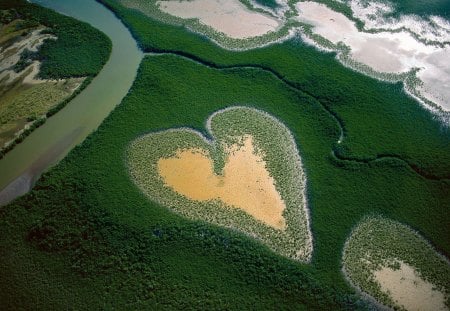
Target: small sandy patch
{"x":406,"y":288}
{"x":230,"y":17}
{"x":245,"y":184}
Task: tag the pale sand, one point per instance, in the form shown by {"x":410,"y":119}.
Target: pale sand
{"x":230,"y":17}
{"x":30,"y":42}
{"x":385,"y":51}
{"x":406,"y":288}
{"x":245,"y":184}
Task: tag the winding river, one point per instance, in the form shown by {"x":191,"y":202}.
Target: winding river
{"x":21,"y":167}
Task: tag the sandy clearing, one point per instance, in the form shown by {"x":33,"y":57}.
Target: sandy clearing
{"x":230,"y":17}
{"x":11,"y":55}
{"x":28,"y":75}
{"x":406,"y":288}
{"x":30,"y":42}
{"x":245,"y":184}
{"x":385,"y":51}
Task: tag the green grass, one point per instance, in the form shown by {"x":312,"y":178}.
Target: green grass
{"x":45,"y":96}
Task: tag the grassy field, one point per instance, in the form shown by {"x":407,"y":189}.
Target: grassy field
{"x":86,"y":228}
{"x":17,"y":109}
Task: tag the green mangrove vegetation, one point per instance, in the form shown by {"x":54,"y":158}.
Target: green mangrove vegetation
{"x":89,"y":215}
{"x":377,"y":118}
{"x":79,"y":50}
{"x":86,"y":237}
{"x":268,"y":3}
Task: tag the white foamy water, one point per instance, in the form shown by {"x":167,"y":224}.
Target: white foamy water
{"x":385,"y":51}
{"x":374,"y":16}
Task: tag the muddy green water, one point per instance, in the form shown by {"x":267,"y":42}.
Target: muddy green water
{"x":21,"y":167}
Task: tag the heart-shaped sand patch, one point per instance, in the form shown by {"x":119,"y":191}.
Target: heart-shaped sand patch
{"x":249,"y":177}
{"x":245,"y":182}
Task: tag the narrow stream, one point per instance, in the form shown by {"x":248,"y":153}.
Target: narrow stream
{"x":21,"y":167}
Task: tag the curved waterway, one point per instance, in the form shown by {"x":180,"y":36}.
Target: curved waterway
{"x":22,"y":166}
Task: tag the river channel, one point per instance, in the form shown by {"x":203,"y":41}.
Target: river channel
{"x":47,"y":145}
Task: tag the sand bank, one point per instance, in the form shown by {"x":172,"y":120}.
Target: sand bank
{"x":230,"y":17}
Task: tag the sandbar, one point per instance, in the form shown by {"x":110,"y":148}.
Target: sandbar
{"x":230,"y":17}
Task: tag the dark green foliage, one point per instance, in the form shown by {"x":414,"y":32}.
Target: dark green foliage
{"x":26,"y":58}
{"x":103,"y":226}
{"x":268,"y":3}
{"x":7,"y":16}
{"x":102,"y":245}
{"x":79,"y":51}
{"x":88,"y":213}
{"x":422,"y":7}
{"x":26,"y":24}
